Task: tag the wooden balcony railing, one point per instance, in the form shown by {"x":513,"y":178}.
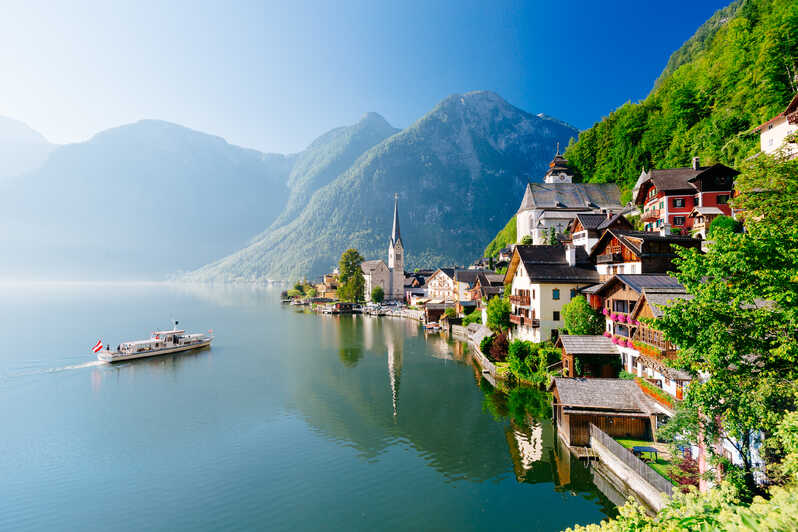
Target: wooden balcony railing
{"x":521,"y":301}
{"x":650,"y":216}
{"x":523,"y":320}
{"x":609,"y":258}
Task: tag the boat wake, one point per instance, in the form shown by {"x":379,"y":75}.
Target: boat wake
{"x":90,"y":364}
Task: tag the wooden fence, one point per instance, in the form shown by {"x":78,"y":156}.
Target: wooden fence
{"x":623,"y":454}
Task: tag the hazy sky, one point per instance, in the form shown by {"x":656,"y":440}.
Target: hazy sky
{"x":273,"y":76}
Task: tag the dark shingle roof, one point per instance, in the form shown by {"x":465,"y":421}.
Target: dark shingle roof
{"x":659,"y":297}
{"x":571,"y":196}
{"x":548,"y":263}
{"x":642,"y":281}
{"x":470,"y":276}
{"x":591,"y":220}
{"x":587,"y":345}
{"x":636,"y":240}
{"x":606,"y":394}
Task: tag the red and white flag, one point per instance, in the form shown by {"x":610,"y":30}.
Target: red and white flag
{"x":98,"y":346}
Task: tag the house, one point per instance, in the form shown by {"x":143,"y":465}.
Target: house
{"x":505,"y":254}
{"x":486,"y":287}
{"x":624,"y":301}
{"x":774,"y":132}
{"x":636,"y":252}
{"x":586,"y":227}
{"x":465,"y":280}
{"x":666,"y":197}
{"x":701,"y":218}
{"x":328,"y":287}
{"x":554,"y":203}
{"x":589,"y":356}
{"x":543,"y":279}
{"x":441,"y":286}
{"x":616,"y":406}
{"x":414,"y":285}
{"x":485,"y":263}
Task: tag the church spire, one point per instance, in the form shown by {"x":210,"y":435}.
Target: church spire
{"x":396,"y":235}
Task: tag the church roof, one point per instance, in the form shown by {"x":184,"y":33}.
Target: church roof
{"x":582,"y":196}
{"x":368,"y":266}
{"x":396,"y":234}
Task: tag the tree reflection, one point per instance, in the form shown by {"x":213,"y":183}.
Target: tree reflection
{"x":350,"y":356}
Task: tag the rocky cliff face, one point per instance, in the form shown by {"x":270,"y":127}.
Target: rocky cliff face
{"x":459,"y":171}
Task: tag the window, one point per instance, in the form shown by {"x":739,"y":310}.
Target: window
{"x":723,"y":199}
{"x":555,"y":294}
{"x":678,"y":220}
{"x":573,"y":293}
{"x":678,"y":202}
{"x":556,"y":316}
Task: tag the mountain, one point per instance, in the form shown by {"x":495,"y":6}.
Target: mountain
{"x":459,"y":171}
{"x":138,"y":201}
{"x":327,"y":157}
{"x":736,"y":72}
{"x":21,"y":148}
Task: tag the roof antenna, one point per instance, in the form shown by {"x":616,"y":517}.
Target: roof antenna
{"x":558,"y":148}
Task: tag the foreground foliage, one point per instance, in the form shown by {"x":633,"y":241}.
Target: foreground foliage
{"x":580,"y":318}
{"x":351,"y":283}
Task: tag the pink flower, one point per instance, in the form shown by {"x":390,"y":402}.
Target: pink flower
{"x":621,"y":318}
{"x":614,"y":340}
{"x":607,"y":334}
{"x":629,"y":344}
{"x":614,"y":317}
{"x":605,"y":312}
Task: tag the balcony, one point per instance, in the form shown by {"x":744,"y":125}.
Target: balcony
{"x":650,"y":216}
{"x":609,"y":258}
{"x":521,"y":301}
{"x":523,"y":320}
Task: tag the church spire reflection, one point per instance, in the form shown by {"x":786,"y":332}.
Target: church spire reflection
{"x":394,"y":367}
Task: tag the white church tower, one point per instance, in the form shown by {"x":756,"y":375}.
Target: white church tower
{"x":396,"y":258}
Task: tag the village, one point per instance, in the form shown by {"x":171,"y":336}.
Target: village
{"x":572,"y":307}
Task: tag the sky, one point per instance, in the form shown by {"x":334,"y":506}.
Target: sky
{"x":275,"y":75}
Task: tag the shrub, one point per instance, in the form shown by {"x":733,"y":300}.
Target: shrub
{"x":499,"y":314}
{"x":486,"y":344}
{"x":723,"y":223}
{"x":377,"y":294}
{"x":626,"y":375}
{"x":474,"y":317}
{"x":580,"y":318}
{"x":450,"y":313}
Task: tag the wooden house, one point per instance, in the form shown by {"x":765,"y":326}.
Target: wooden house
{"x":637,"y":252}
{"x":616,"y":406}
{"x":589,"y":356}
{"x":586,"y":227}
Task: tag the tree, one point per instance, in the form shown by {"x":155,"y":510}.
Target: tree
{"x":499,"y":314}
{"x":739,"y":327}
{"x":351,"y":283}
{"x":723,"y":223}
{"x":499,"y":346}
{"x":552,"y":240}
{"x":450,"y":313}
{"x":474,"y":317}
{"x":580,"y":318}
{"x":377,"y":294}
{"x":310,"y":292}
{"x":526,"y":240}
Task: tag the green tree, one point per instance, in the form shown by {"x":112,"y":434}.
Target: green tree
{"x":498,"y":314}
{"x":450,"y":313}
{"x":310,"y":291}
{"x":552,"y":240}
{"x":351,"y":283}
{"x":474,"y":317}
{"x":739,"y":327}
{"x":526,"y":240}
{"x":580,"y":318}
{"x":722,"y":223}
{"x":377,"y":294}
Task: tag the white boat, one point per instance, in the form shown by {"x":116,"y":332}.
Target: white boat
{"x":160,"y":343}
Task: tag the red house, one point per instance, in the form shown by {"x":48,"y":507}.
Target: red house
{"x":667,"y":197}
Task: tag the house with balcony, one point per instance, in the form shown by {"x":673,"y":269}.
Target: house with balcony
{"x":666,"y":197}
{"x":637,"y":252}
{"x":586,"y":227}
{"x":625,"y":300}
{"x":543,"y":279}
{"x":441,"y":287}
{"x":465,"y":280}
{"x":773,"y":133}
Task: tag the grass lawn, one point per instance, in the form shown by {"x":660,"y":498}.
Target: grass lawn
{"x":661,"y":465}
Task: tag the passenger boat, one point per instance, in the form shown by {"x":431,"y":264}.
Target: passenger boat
{"x":159,"y":343}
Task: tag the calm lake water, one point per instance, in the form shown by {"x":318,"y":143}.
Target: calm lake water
{"x":291,"y":421}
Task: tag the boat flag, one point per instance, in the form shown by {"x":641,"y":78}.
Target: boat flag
{"x":98,"y":346}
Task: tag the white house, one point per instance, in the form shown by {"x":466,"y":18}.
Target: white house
{"x":773,"y":133}
{"x":554,"y":203}
{"x":543,"y":279}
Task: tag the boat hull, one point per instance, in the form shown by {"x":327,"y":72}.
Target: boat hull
{"x":112,"y":357}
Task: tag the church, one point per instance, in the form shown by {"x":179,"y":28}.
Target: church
{"x":391,"y":276}
{"x":554,"y":203}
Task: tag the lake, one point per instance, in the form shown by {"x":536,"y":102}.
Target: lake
{"x":291,"y":421}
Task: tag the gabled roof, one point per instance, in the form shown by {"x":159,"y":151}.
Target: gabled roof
{"x":618,"y":395}
{"x":676,"y":179}
{"x":470,"y":276}
{"x":657,"y":298}
{"x":490,"y":279}
{"x":636,"y":240}
{"x":587,"y":345}
{"x":448,"y":272}
{"x":791,"y":108}
{"x":575,"y":196}
{"x":369,"y":266}
{"x":642,"y":281}
{"x":548,"y":264}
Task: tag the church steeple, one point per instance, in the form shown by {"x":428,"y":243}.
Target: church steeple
{"x":396,"y":235}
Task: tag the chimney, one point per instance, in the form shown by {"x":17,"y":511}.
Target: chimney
{"x":609,"y":214}
{"x":696,"y":163}
{"x":665,"y":230}
{"x":570,"y":254}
